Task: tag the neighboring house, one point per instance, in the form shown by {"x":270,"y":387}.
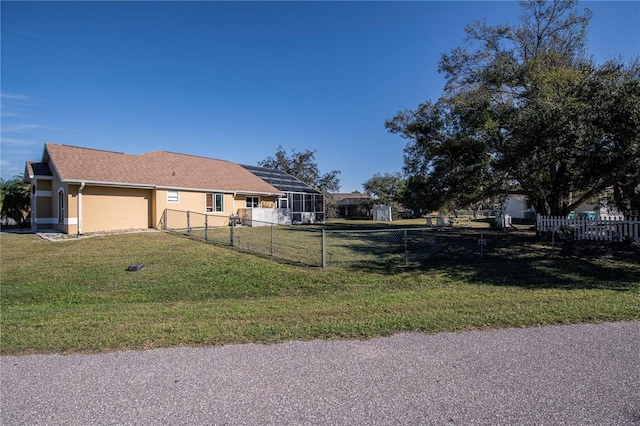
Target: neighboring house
{"x":602,"y":210}
{"x":76,"y":190}
{"x":305,"y":204}
{"x":517,"y":206}
{"x":354,"y":204}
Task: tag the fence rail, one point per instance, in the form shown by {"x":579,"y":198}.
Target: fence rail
{"x":597,"y":230}
{"x":315,"y":246}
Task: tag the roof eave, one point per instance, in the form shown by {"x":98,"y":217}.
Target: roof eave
{"x":111,"y":184}
{"x":227,"y":191}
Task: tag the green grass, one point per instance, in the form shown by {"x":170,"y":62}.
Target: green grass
{"x":345,"y":241}
{"x":75,"y":295}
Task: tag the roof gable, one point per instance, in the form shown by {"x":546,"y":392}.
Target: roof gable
{"x":153,"y":169}
{"x":34,"y":169}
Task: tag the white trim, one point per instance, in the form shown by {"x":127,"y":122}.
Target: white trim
{"x":80,"y":188}
{"x":54,"y":221}
{"x":114,"y":184}
{"x":43,"y":193}
{"x":169,"y":188}
{"x":213,"y":202}
{"x":218,"y":191}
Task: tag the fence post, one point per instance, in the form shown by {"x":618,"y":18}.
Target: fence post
{"x":165,"y":220}
{"x":206,"y":228}
{"x":272,"y":239}
{"x":324,"y":263}
{"x":188,"y":223}
{"x":406,"y":254}
{"x":233,"y":225}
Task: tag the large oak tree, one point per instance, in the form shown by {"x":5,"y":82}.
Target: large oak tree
{"x":525,"y":108}
{"x":302,"y":165}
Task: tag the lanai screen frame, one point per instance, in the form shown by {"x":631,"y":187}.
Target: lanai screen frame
{"x":301,"y":198}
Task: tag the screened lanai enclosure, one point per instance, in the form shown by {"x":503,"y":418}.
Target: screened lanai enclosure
{"x":301,"y":202}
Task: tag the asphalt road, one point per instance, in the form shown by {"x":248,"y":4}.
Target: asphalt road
{"x":575,"y":375}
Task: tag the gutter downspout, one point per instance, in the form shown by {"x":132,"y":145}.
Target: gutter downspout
{"x":82,"y":184}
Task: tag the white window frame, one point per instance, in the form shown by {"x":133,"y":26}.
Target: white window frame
{"x":214,"y":196}
{"x":283,"y":201}
{"x":252,"y":202}
{"x":173,"y":196}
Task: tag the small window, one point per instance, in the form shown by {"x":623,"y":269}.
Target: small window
{"x":215,"y":203}
{"x":173,"y":197}
{"x":253,"y":202}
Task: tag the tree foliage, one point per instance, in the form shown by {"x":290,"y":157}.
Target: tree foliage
{"x":523,"y":107}
{"x":302,"y":165}
{"x":385,"y":188}
{"x":15,"y":200}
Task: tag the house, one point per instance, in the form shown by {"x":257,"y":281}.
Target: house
{"x":517,"y":206}
{"x":604,"y":210}
{"x":354,"y":204}
{"x":76,"y":190}
{"x":303,"y":203}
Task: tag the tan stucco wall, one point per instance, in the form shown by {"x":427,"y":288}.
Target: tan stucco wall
{"x":109,"y":209}
{"x":56,"y":186}
{"x":43,"y":185}
{"x":41,"y":213}
{"x":43,"y":208}
{"x":196,"y":203}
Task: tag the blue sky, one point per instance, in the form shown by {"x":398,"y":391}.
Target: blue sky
{"x":234,"y":80}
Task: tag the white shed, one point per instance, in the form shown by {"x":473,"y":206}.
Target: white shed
{"x":382,"y":213}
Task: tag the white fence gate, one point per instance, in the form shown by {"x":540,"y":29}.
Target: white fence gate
{"x":597,"y":230}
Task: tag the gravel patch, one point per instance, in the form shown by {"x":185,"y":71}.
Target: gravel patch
{"x":578,"y":374}
{"x":54,"y":235}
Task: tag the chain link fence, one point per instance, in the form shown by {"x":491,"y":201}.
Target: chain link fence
{"x":314,"y":245}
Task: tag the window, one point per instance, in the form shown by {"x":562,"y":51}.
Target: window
{"x":253,"y":202}
{"x":61,"y":206}
{"x":283,"y":202}
{"x":215,"y":203}
{"x":173,"y":197}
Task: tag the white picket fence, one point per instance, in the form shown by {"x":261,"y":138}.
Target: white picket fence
{"x":597,"y":230}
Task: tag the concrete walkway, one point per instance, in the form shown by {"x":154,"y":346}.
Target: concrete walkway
{"x":576,"y":375}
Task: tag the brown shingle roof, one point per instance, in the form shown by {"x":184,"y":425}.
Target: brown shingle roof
{"x":157,"y":168}
{"x":352,"y":199}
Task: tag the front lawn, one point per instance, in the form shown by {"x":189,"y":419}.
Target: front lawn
{"x":76,"y":295}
